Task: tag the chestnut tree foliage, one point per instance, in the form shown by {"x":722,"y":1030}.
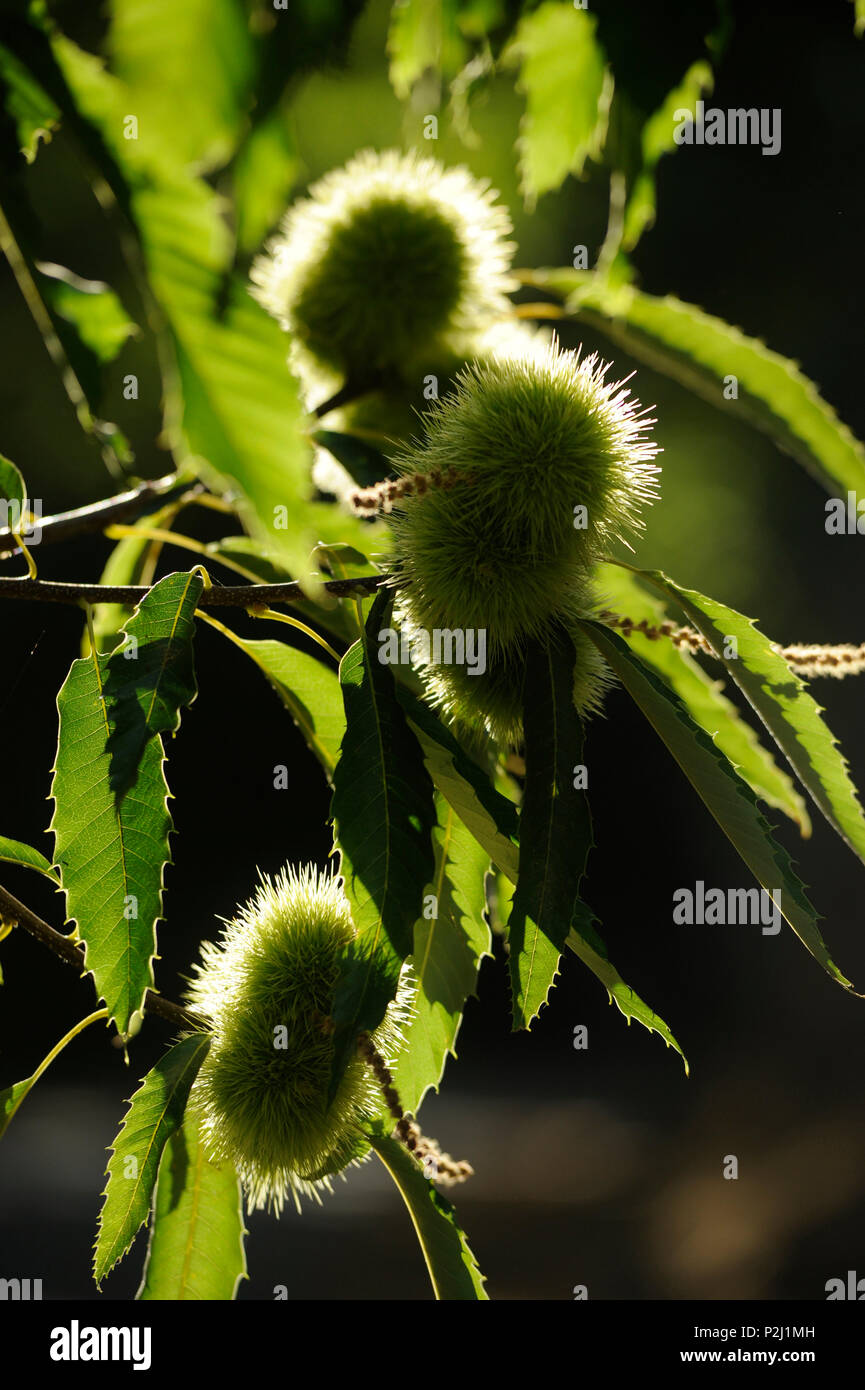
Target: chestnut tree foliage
{"x":363,"y":504}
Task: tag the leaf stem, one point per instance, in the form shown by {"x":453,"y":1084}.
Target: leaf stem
{"x":256,"y":612}
{"x":73,"y":1033}
{"x":182,"y":542}
{"x":41,"y":317}
{"x":26,"y":1087}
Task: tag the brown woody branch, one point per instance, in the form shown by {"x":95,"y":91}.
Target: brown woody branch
{"x":227,"y":596}
{"x":97,"y":515}
{"x":11,"y":910}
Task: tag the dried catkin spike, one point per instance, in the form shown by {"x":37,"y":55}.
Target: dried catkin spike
{"x":266,"y":989}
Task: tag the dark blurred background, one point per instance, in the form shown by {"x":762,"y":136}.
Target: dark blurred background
{"x":601,"y":1167}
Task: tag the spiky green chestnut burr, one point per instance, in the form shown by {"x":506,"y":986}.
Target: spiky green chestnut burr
{"x":266,"y":990}
{"x":491,"y":703}
{"x":525,"y":475}
{"x":396,"y":413}
{"x":385,"y":264}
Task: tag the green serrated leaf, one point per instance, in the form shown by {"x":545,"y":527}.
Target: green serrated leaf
{"x":423,"y":34}
{"x":448,"y":947}
{"x":383,"y":815}
{"x":555,"y":829}
{"x":35,"y":115}
{"x":345,"y":618}
{"x":124,"y":566}
{"x":490,"y":817}
{"x":657,"y":139}
{"x":310,"y":692}
{"x":150,"y":42}
{"x":16,"y":852}
{"x":155,"y":1113}
{"x":264,"y":172}
{"x":452,"y":1267}
{"x":253,"y":556}
{"x":232,"y":405}
{"x":563,"y":73}
{"x":584,"y":941}
{"x":132,"y":561}
{"x":91,"y":306}
{"x":727,"y":796}
{"x":12,"y":488}
{"x":703,"y":697}
{"x":12,"y":1098}
{"x":196,"y":1247}
{"x":699,"y":351}
{"x":782,"y":701}
{"x":111,"y":857}
{"x":344,"y":561}
{"x":242,"y":418}
{"x":152,"y":675}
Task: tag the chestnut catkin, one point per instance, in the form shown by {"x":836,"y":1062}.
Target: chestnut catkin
{"x":528,"y":471}
{"x":266,"y":990}
{"x":387,"y":264}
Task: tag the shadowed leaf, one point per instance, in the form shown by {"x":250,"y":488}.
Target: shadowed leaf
{"x":727,"y":796}
{"x":449,"y":944}
{"x":151,"y":677}
{"x":196,"y":1232}
{"x":782,"y":701}
{"x":703,"y":696}
{"x":491,"y":817}
{"x":555,"y":828}
{"x":383,"y":815}
{"x":111,"y":856}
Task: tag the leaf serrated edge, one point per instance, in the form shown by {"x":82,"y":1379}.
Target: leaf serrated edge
{"x":112,"y":1153}
{"x":606,"y":308}
{"x":781,"y":857}
{"x":178,"y":609}
{"x":94,"y":656}
{"x":523,"y":1024}
{"x":75,"y":934}
{"x":676,"y":592}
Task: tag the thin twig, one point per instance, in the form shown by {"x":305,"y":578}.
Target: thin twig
{"x":228,"y":596}
{"x":93,"y":428}
{"x":806,"y":659}
{"x":97,"y":515}
{"x":11,"y":910}
{"x":351,"y":391}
